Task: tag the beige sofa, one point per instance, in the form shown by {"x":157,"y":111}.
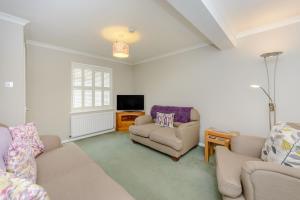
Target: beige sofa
{"x":67,"y":173}
{"x":243,"y":175}
{"x":172,"y":141}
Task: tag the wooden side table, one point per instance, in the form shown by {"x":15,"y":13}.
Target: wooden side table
{"x":214,"y":137}
{"x":126,"y":119}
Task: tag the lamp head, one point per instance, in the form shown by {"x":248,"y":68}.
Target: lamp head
{"x":255,"y":86}
{"x":266,"y":93}
{"x":271,"y":54}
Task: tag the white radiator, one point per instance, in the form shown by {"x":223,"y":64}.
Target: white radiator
{"x":87,"y":123}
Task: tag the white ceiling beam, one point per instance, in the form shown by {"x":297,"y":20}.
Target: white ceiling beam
{"x":203,"y":16}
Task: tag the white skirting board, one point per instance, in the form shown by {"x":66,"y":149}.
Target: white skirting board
{"x":87,"y":136}
{"x":201,"y":144}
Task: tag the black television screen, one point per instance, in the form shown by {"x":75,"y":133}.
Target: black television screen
{"x":130,"y":102}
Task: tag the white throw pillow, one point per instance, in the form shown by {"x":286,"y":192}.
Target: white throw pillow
{"x":283,"y":145}
{"x":165,"y":120}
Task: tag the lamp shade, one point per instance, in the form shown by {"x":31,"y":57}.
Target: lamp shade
{"x":120,"y":49}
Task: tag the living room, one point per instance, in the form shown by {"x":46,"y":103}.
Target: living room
{"x":67,"y":66}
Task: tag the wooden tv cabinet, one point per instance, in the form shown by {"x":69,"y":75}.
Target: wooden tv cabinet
{"x":126,"y":119}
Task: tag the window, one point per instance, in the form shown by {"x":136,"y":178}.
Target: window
{"x":91,"y":87}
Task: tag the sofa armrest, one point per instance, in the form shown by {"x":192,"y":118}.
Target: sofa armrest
{"x":188,"y":133}
{"x":145,"y":119}
{"x":247,"y":145}
{"x":270,"y":181}
{"x":50,"y":142}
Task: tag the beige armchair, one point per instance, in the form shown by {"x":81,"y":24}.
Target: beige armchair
{"x":242,"y":174}
{"x":172,"y":141}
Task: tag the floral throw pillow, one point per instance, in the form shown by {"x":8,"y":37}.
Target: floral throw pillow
{"x":20,"y":161}
{"x":283,"y":145}
{"x":14,"y":188}
{"x":28,"y":133}
{"x":165,"y":120}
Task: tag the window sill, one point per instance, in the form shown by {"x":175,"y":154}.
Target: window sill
{"x":91,"y":111}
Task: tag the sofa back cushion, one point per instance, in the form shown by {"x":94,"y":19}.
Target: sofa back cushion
{"x":5,"y":141}
{"x":182,"y":114}
{"x":195,"y":116}
{"x":283,"y":145}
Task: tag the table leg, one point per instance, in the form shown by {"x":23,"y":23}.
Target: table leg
{"x":227,"y":144}
{"x":206,"y":153}
{"x":211,"y":150}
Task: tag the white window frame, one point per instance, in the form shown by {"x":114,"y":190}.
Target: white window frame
{"x":93,"y":68}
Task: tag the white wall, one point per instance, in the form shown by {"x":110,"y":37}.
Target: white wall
{"x":48,"y":74}
{"x":217,"y":82}
{"x":12,"y":69}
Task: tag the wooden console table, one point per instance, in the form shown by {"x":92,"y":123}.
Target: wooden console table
{"x":213,"y":138}
{"x":126,"y":119}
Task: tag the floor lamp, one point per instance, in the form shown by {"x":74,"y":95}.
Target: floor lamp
{"x":272,"y":101}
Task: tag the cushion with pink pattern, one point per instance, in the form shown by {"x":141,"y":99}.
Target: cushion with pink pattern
{"x":5,"y":141}
{"x":28,"y":133}
{"x":12,"y":187}
{"x":20,"y":161}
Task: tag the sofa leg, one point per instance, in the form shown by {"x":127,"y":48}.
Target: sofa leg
{"x":174,"y":158}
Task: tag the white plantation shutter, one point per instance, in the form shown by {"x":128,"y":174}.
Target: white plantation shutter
{"x":91,"y":87}
{"x":77,"y":77}
{"x":106,"y":97}
{"x":77,"y":98}
{"x":88,"y":78}
{"x":88,"y":98}
{"x":106,"y":79}
{"x":98,"y":98}
{"x":98,"y":79}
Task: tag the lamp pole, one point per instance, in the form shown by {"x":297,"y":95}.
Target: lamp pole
{"x":272,"y":108}
{"x":272,"y":103}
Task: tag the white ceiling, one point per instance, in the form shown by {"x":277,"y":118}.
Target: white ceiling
{"x":77,"y":24}
{"x":242,"y":15}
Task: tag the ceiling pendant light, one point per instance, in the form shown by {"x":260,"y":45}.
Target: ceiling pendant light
{"x":120,"y":49}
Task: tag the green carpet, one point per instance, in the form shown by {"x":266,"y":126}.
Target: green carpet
{"x":149,"y":175}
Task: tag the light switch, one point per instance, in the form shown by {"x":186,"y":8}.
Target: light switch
{"x":9,"y":84}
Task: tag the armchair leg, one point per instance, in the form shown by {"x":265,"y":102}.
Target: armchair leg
{"x":175,"y":159}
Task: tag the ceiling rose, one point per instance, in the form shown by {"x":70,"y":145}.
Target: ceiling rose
{"x":120,"y":33}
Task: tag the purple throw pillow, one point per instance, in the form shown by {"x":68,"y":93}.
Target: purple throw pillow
{"x":5,"y":141}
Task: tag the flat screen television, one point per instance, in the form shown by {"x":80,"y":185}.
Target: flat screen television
{"x":130,"y":102}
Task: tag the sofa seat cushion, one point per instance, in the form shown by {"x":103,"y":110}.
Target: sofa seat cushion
{"x":177,"y":124}
{"x":166,"y":136}
{"x":68,"y":173}
{"x":229,"y":167}
{"x":57,"y":162}
{"x":143,"y":130}
{"x":88,"y":182}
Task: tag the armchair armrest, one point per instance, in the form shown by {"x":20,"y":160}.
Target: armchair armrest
{"x":247,"y":145}
{"x":270,"y":181}
{"x":50,"y":142}
{"x":189,"y":134}
{"x":145,"y":119}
